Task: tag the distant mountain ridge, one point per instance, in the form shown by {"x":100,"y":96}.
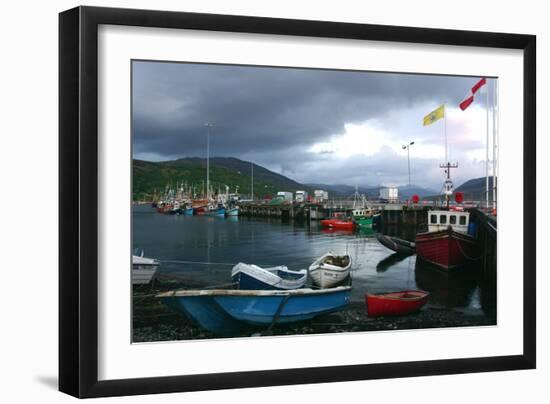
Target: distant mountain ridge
{"x":150,"y":177}
{"x":474,"y":189}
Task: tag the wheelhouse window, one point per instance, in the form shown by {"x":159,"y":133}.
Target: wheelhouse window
{"x":463,"y":220}
{"x":452,"y":219}
{"x":433,"y":219}
{"x":442,"y":219}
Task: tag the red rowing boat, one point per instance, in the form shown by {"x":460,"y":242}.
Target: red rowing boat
{"x":338,"y":224}
{"x":395,"y":303}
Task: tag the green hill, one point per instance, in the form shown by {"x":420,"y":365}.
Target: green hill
{"x":149,"y":177}
{"x":475,"y":189}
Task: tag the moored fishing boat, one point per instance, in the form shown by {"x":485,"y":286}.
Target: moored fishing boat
{"x":215,"y":211}
{"x":395,"y":303}
{"x":447,"y":243}
{"x":199,"y":206}
{"x":223,"y":311}
{"x":189,"y":211}
{"x":251,"y":277}
{"x":343,"y":224}
{"x":364,"y":222}
{"x":175,"y":208}
{"x":361,"y":213}
{"x":330,"y":270}
{"x":143,"y":269}
{"x":232,"y":211}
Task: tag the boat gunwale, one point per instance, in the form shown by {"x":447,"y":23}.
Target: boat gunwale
{"x":252,"y":293}
{"x":331,"y":268}
{"x":441,"y":234}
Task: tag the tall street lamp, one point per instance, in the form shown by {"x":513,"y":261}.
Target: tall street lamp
{"x":407,"y":146}
{"x":208,"y":126}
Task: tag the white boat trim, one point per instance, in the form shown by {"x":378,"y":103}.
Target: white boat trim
{"x":237,"y":292}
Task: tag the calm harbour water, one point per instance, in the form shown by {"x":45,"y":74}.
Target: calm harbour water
{"x":210,"y":246}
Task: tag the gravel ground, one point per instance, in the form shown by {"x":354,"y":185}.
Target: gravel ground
{"x":153,"y":321}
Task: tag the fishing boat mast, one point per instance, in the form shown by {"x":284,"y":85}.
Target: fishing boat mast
{"x":252,"y":181}
{"x":356,"y":198}
{"x":448,"y":187}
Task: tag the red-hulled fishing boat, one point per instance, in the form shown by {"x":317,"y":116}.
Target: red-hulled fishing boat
{"x":340,"y":224}
{"x":446,"y":248}
{"x":395,"y":303}
{"x":447,"y":243}
{"x":199,"y":206}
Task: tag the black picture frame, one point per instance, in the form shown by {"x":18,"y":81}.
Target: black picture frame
{"x":78,"y":206}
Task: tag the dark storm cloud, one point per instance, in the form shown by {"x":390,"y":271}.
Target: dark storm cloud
{"x":264,"y":108}
{"x":270,"y":115}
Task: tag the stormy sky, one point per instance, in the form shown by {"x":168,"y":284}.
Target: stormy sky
{"x":314,"y":126}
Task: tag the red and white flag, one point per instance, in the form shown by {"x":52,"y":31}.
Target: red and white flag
{"x":470,"y":97}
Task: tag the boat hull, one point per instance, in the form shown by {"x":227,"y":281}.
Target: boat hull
{"x":395,"y":304}
{"x":217,"y":212}
{"x":364,"y":222}
{"x":282,"y":309}
{"x":232,"y":212}
{"x":327,"y":278}
{"x":229,"y":311}
{"x":143,"y":276}
{"x":206,"y":313}
{"x":338,"y":224}
{"x":446,"y":249}
{"x":189,"y":211}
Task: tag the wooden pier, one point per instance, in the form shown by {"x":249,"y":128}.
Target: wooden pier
{"x":290,"y":211}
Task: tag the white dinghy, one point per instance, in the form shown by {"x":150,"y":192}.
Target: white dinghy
{"x":330,"y":270}
{"x":143,"y":269}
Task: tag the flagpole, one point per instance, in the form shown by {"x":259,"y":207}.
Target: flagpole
{"x":252,"y":181}
{"x":495,"y":123}
{"x":445,"y":129}
{"x":487,"y":149}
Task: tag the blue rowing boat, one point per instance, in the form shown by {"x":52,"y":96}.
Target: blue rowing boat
{"x":226,"y":312}
{"x":189,"y":211}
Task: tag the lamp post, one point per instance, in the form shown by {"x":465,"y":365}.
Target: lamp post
{"x":407,"y":146}
{"x":208,"y":125}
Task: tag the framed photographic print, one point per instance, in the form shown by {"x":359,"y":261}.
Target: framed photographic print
{"x":251,"y":201}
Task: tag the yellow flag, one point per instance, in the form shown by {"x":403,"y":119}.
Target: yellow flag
{"x":433,"y":116}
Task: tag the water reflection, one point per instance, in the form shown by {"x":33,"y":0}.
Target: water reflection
{"x":389,"y":261}
{"x":449,"y":288}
